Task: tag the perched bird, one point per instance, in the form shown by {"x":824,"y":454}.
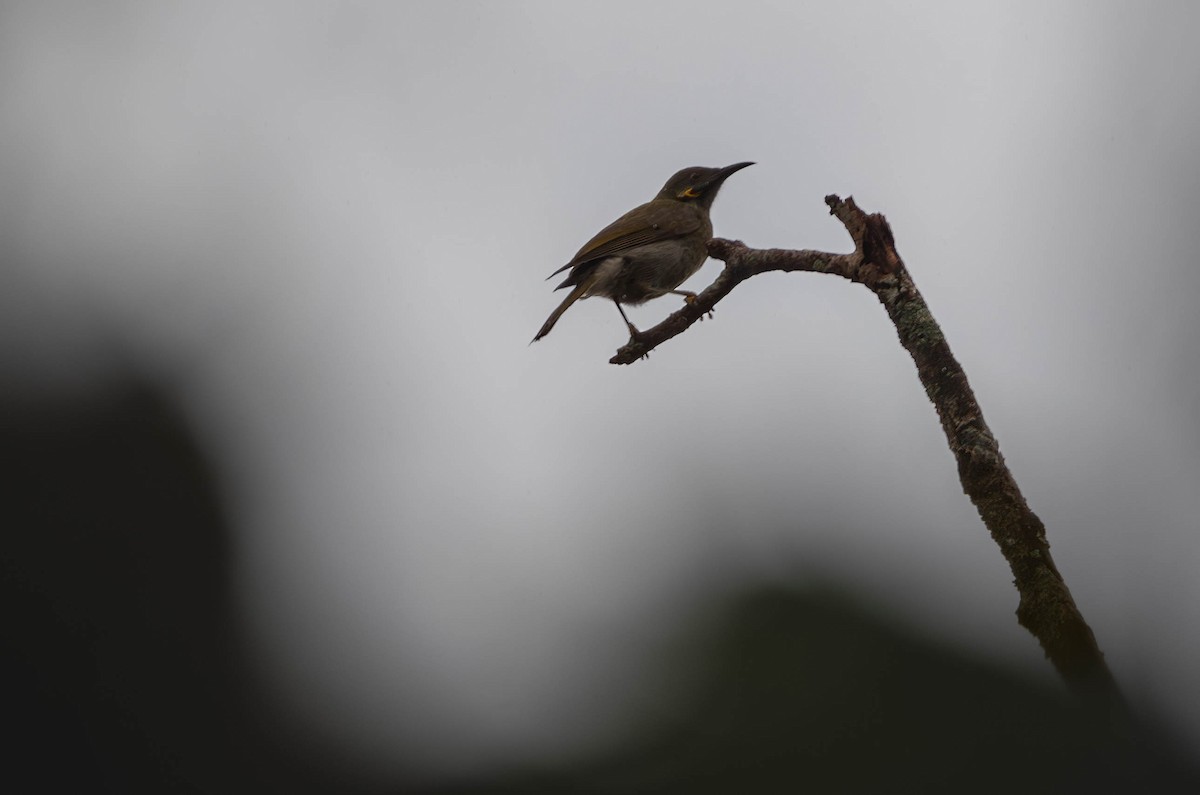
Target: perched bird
{"x":650,"y":250}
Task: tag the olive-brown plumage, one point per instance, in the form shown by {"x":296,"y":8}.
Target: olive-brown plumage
{"x":650,"y":250}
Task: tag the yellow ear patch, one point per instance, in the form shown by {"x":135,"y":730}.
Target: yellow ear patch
{"x":690,"y":193}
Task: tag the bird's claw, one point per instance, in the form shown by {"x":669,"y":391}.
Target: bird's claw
{"x":636,"y":338}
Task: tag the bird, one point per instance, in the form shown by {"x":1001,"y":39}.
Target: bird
{"x":650,"y":250}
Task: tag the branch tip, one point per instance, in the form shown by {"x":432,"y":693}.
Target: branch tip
{"x":722,"y":249}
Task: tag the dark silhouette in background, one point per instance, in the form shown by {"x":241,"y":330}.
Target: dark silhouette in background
{"x":122,"y":670}
{"x":806,"y":691}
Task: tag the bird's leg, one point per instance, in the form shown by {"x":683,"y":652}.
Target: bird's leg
{"x":633,"y":332}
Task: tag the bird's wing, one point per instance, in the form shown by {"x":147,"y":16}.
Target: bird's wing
{"x":649,"y":223}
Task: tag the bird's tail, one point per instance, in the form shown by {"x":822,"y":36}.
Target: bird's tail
{"x":579,"y":291}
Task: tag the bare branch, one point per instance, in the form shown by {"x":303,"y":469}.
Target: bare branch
{"x":1046,"y":607}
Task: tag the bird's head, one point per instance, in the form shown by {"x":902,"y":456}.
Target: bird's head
{"x":697,"y":184}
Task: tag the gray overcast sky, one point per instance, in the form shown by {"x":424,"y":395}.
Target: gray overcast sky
{"x":329,"y":225}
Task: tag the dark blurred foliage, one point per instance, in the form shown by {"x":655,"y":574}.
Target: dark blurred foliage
{"x":121,"y":664}
{"x":806,"y":691}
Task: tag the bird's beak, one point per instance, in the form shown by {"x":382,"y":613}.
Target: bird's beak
{"x":727,"y":172}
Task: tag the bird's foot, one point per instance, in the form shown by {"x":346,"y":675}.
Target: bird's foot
{"x":637,"y":338}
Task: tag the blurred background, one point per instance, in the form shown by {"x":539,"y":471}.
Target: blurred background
{"x":292,"y":505}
